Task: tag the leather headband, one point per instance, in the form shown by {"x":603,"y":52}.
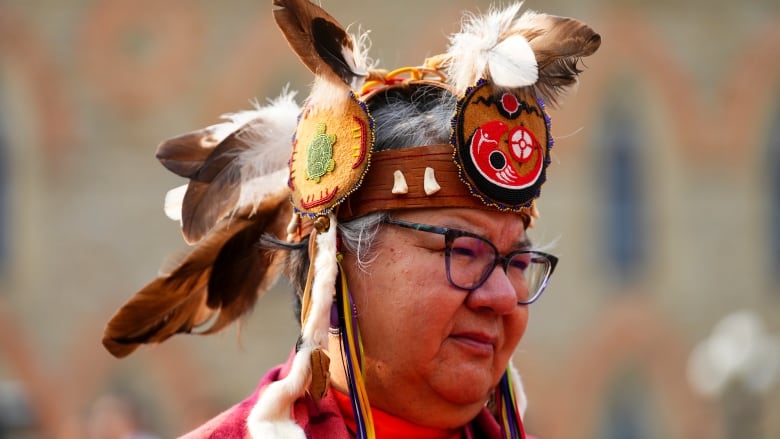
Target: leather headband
{"x":375,"y":193}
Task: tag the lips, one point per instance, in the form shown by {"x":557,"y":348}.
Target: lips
{"x":478,"y":343}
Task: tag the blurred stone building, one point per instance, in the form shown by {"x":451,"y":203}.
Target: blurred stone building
{"x":663,"y":204}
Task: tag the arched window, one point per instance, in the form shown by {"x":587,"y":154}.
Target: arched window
{"x":629,"y":408}
{"x":621,"y":180}
{"x":4,"y":191}
{"x":773,"y":179}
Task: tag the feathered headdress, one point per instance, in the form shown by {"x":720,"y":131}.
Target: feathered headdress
{"x":294,"y":172}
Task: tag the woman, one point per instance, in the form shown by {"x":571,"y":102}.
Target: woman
{"x":411,"y":193}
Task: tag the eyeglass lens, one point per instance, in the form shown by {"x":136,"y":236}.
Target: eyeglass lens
{"x":471,"y":261}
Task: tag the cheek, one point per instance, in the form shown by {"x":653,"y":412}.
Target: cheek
{"x":398,"y":295}
{"x":399,"y":300}
{"x":515,"y":326}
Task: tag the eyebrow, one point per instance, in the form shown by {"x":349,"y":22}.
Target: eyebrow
{"x":521,"y":243}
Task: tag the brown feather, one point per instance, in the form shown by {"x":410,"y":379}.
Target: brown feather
{"x":235,"y":276}
{"x":184,"y":155}
{"x":224,"y":274}
{"x":319,"y":40}
{"x":205,"y":204}
{"x":559,"y":44}
{"x":158,"y":311}
{"x":213,"y":190}
{"x":216,"y":162}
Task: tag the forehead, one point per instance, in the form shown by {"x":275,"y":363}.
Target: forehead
{"x":506,"y":227}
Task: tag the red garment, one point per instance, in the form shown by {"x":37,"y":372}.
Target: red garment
{"x":325,"y":420}
{"x":389,"y":426}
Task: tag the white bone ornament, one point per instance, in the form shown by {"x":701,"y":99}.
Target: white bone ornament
{"x":399,"y":183}
{"x":430,"y":184}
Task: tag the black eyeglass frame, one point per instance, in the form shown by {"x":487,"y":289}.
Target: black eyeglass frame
{"x":449,"y":237}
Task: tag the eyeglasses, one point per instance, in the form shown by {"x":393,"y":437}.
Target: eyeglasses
{"x":470,"y":259}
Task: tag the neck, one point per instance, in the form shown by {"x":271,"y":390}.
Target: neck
{"x":415,"y":408}
{"x":388,"y":426}
{"x":338,"y":376}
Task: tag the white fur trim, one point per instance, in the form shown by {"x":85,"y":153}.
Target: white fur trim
{"x":270,"y":417}
{"x":286,"y":429}
{"x":323,"y":287}
{"x":275,"y":403}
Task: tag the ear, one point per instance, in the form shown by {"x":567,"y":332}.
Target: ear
{"x":320,"y":41}
{"x":559,"y":43}
{"x":219,"y":281}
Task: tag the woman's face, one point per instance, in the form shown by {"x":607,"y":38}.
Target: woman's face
{"x":432,"y":352}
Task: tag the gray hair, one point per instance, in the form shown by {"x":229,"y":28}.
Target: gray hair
{"x":357,"y":238}
{"x":412,"y":116}
{"x":405,"y":117}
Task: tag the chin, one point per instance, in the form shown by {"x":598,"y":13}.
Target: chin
{"x":465,"y":390}
{"x":466,"y":381}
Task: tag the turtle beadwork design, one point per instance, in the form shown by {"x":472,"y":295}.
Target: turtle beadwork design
{"x":319,"y":159}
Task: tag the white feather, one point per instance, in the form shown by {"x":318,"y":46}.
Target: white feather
{"x":216,"y":133}
{"x":362,"y":63}
{"x":530,"y":20}
{"x":488,"y":47}
{"x":268,"y":133}
{"x":520,"y":399}
{"x":512,"y":63}
{"x":256,"y":190}
{"x":326,"y":95}
{"x":234,"y":121}
{"x":173,"y":202}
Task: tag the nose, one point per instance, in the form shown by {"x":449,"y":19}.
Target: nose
{"x":496,"y":294}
